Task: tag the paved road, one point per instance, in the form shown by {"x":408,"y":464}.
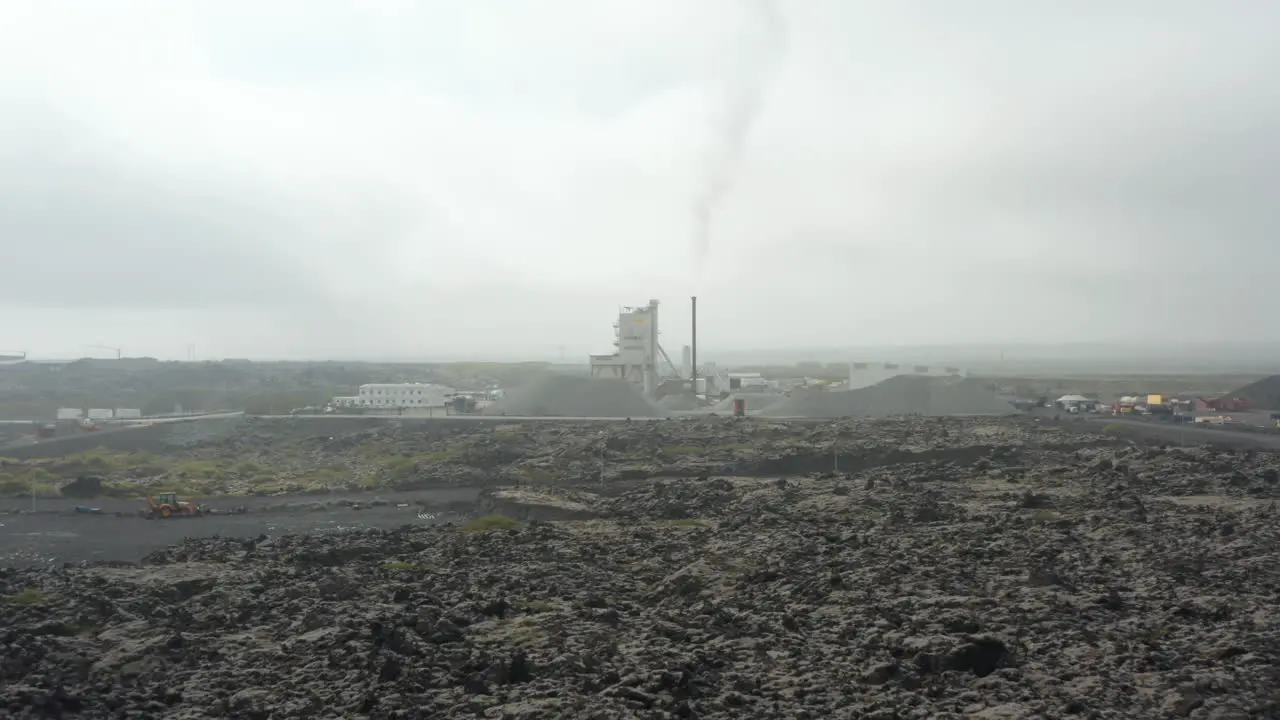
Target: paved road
{"x":465,"y":418}
{"x":109,"y":428}
{"x":56,"y":534}
{"x":1184,"y":434}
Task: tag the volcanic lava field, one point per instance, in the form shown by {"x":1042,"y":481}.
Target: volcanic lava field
{"x":892,"y":568}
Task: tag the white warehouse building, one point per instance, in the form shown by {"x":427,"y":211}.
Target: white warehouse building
{"x":404,"y":395}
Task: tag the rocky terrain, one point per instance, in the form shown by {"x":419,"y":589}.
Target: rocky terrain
{"x":247,"y":455}
{"x":949,"y":568}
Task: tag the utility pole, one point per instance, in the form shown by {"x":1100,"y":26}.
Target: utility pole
{"x":604,"y":442}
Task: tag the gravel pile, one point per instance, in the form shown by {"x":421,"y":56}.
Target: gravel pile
{"x":901,"y":395}
{"x":1263,"y":394}
{"x":554,"y":395}
{"x":1033,"y":581}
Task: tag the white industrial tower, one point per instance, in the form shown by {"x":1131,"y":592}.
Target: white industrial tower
{"x":636,"y":357}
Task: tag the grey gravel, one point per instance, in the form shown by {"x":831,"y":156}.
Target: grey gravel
{"x":902,"y":395}
{"x":555,"y":395}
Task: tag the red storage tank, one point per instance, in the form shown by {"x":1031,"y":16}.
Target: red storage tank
{"x":739,"y":407}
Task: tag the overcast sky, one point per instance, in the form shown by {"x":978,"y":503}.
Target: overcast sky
{"x":328,"y":178}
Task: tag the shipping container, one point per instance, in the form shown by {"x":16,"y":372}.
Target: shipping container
{"x":1155,"y":399}
{"x":128,"y":413}
{"x":100,"y":413}
{"x":70,"y":413}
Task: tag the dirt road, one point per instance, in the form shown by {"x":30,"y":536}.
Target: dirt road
{"x":55,"y":533}
{"x":1185,"y":434}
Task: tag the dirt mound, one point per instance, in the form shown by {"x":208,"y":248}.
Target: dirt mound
{"x":85,"y":486}
{"x":1264,"y":394}
{"x":554,"y":395}
{"x":901,"y":395}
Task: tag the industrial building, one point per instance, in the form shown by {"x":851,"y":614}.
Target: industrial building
{"x":1222,"y":404}
{"x":638,"y":351}
{"x":639,"y":357}
{"x":404,"y":395}
{"x":747,"y":382}
{"x":98,"y":414}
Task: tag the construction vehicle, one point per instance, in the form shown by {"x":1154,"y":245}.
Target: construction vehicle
{"x":167,"y":505}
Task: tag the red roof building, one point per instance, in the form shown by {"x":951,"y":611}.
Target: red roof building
{"x":1223,"y":404}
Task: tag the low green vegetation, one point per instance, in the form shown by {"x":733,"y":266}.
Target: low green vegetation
{"x":401,"y":467}
{"x":199,"y":469}
{"x":123,"y":490}
{"x":682,"y":450}
{"x":537,"y":476}
{"x":13,"y":487}
{"x":119,"y":470}
{"x":316,"y":480}
{"x":30,"y":596}
{"x":685,"y":522}
{"x":486,"y":523}
{"x":1045,"y":516}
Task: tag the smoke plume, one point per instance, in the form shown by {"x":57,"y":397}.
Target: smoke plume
{"x":741,"y":112}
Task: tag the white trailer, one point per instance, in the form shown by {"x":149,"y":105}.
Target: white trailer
{"x":100,"y":413}
{"x":128,"y":413}
{"x":70,"y":413}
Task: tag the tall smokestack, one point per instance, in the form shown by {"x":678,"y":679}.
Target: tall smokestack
{"x":693,"y":375}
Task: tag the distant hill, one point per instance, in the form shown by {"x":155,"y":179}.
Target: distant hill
{"x":34,"y":390}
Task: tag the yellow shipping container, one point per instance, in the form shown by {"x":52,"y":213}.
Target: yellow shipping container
{"x":1155,"y":399}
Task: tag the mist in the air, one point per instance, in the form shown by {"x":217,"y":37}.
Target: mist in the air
{"x":745,"y":99}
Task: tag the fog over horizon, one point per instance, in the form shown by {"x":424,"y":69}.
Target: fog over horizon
{"x":429,"y":179}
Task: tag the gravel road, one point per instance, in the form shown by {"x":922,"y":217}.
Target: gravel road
{"x":58,"y":534}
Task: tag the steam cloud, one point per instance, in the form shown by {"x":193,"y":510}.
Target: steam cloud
{"x":743,"y":109}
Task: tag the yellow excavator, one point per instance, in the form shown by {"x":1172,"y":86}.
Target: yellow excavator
{"x":167,"y":505}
